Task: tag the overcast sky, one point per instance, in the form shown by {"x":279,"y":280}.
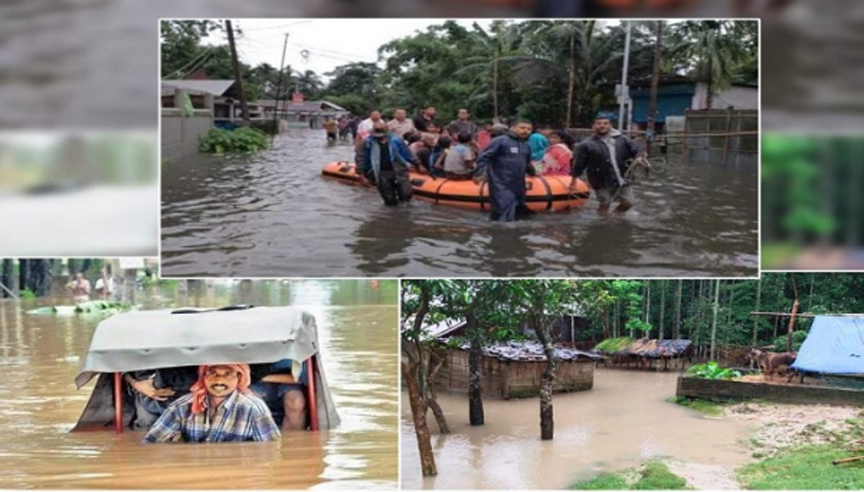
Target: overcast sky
{"x":329,"y":42}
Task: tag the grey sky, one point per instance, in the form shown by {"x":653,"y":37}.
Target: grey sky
{"x":330,"y":42}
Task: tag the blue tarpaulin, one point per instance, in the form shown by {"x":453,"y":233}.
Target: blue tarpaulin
{"x":835,"y":345}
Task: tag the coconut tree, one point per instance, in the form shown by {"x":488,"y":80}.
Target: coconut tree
{"x":502,"y":41}
{"x":308,"y":82}
{"x":712,"y":51}
{"x":578,"y":51}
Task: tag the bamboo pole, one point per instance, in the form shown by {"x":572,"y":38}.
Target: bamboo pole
{"x":791,"y":325}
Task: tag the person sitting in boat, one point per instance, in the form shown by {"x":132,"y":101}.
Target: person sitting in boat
{"x":384,"y":161}
{"x":556,"y":162}
{"x":423,"y":150}
{"x":154,"y":390}
{"x":462,"y":123}
{"x":459,"y":162}
{"x":219,"y":408}
{"x":437,"y":157}
{"x":282,"y":386}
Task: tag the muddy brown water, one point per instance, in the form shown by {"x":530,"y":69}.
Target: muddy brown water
{"x":39,"y":356}
{"x":271,"y":214}
{"x":621,"y":423}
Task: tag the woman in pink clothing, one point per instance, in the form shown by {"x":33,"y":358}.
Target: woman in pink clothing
{"x":556,"y":161}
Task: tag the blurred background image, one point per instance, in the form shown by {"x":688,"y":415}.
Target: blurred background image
{"x":811,"y":202}
{"x":78,"y":194}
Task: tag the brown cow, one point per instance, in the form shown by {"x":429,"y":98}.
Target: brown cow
{"x":772,"y":362}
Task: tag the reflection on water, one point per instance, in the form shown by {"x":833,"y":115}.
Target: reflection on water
{"x":272,"y":214}
{"x":40,"y":355}
{"x":623,"y":422}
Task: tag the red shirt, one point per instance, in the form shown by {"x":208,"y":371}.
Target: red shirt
{"x":557,"y":161}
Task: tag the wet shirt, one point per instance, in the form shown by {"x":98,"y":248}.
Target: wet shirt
{"x":386,"y":158}
{"x":331,"y":126}
{"x":239,"y":418}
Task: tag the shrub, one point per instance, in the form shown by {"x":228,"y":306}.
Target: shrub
{"x":218,"y":141}
{"x":712,"y":370}
{"x":27,"y":294}
{"x":269,"y":127}
{"x":797,"y":340}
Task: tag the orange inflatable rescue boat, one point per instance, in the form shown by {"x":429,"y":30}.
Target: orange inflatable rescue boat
{"x":544,"y":193}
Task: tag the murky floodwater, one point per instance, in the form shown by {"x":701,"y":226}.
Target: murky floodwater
{"x":271,"y":214}
{"x":39,"y":356}
{"x":623,"y":422}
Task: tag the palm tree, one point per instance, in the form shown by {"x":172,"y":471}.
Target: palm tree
{"x":581,"y":47}
{"x":308,"y":82}
{"x":712,"y":51}
{"x":503,"y":41}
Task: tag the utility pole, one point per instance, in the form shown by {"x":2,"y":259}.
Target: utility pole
{"x":655,"y":82}
{"x":279,"y":92}
{"x":624,"y":91}
{"x":237,"y":75}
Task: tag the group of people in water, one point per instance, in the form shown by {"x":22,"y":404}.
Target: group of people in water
{"x":219,"y":403}
{"x":498,"y":154}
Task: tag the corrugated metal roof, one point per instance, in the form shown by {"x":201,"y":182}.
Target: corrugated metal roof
{"x":527,"y":351}
{"x":655,"y":348}
{"x":215,"y":87}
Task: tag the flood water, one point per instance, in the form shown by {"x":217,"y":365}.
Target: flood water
{"x":39,"y":404}
{"x":623,"y":422}
{"x":271,"y":214}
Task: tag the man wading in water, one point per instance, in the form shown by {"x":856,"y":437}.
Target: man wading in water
{"x":606,"y":155}
{"x":504,"y":164}
{"x":384,"y":161}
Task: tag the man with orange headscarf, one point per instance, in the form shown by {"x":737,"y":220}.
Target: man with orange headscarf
{"x":219,"y":408}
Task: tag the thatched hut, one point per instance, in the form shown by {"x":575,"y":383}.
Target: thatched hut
{"x":646,"y":353}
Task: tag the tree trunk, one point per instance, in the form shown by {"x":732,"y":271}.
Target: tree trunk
{"x":432,"y":396}
{"x":475,"y":372}
{"x":662,"y":308}
{"x":418,"y":412}
{"x":655,"y":82}
{"x":23,"y":274}
{"x":6,"y":278}
{"x":547,"y":379}
{"x":713,"y":352}
{"x":571,"y":72}
{"x":40,"y":277}
{"x":495,"y":85}
{"x":791,"y":326}
{"x":709,"y":97}
{"x":812,"y":285}
{"x":130,"y":279}
{"x":648,"y":304}
{"x":756,"y":318}
{"x":678,"y":312}
{"x":244,"y":107}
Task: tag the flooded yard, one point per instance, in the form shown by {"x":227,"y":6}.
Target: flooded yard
{"x":621,"y":423}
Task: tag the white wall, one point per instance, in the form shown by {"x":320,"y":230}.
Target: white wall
{"x":738,"y":96}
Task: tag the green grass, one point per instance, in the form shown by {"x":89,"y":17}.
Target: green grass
{"x":776,"y":255}
{"x":606,"y":481}
{"x":707,"y":407}
{"x":653,"y":476}
{"x":806,"y":468}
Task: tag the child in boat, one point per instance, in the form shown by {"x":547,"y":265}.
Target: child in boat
{"x":556,"y":161}
{"x":219,"y":408}
{"x":459,"y":162}
{"x":436,"y":159}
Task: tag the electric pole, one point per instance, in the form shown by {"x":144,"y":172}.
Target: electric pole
{"x":237,"y":75}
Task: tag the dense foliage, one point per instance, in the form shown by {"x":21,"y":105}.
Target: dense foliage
{"x":811,"y":193}
{"x":219,"y":141}
{"x":557,"y":72}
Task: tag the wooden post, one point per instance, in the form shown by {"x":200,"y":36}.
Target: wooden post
{"x":313,"y":402}
{"x":244,"y":107}
{"x":728,"y":138}
{"x":791,"y":326}
{"x":118,"y":402}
